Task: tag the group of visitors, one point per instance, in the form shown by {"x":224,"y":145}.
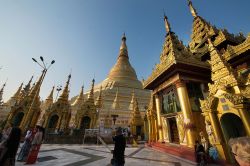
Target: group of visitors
{"x":10,"y":140}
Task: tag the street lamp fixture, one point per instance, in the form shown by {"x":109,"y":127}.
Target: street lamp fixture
{"x":45,"y":69}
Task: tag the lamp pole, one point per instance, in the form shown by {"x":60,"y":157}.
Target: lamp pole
{"x":45,"y":69}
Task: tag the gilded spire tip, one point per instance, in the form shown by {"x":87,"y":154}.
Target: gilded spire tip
{"x":192,"y":9}
{"x":167,"y":25}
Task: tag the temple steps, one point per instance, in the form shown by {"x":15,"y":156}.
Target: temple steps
{"x":174,"y":149}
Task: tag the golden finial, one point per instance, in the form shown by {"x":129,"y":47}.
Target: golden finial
{"x":124,"y":36}
{"x":167,"y":25}
{"x":192,"y":9}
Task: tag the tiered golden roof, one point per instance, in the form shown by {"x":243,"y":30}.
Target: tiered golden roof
{"x":173,"y":52}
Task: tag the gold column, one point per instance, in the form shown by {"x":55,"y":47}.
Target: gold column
{"x":216,"y":126}
{"x":149,"y":129}
{"x":186,"y":110}
{"x":155,"y":131}
{"x":159,"y":122}
{"x":219,"y":142}
{"x":245,"y":117}
{"x":59,"y":123}
{"x":45,"y":122}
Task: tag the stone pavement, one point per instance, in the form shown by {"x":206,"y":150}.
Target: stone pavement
{"x":98,"y":155}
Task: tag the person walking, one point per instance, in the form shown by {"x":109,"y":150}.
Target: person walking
{"x":23,"y":154}
{"x":199,"y":153}
{"x":8,"y":148}
{"x":36,"y":144}
{"x":120,"y":144}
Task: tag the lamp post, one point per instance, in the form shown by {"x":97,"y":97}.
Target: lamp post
{"x":45,"y":69}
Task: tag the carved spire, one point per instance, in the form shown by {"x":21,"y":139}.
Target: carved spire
{"x":192,"y":9}
{"x":218,"y":63}
{"x":49,"y":100}
{"x":172,"y":47}
{"x":91,"y":93}
{"x":99,"y":103}
{"x":1,"y":93}
{"x":167,"y":25}
{"x":136,"y":117}
{"x":27,"y":88}
{"x":123,"y":47}
{"x":116,"y":104}
{"x":80,"y":98}
{"x":50,"y":97}
{"x":36,"y":88}
{"x":17,"y":94}
{"x":131,"y":105}
{"x":65,"y":94}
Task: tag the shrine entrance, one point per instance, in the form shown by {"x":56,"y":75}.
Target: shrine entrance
{"x":85,"y":123}
{"x":53,"y":122}
{"x":174,"y":135}
{"x":232,"y":126}
{"x":18,"y":119}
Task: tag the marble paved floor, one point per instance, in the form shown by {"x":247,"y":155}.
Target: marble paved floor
{"x":94,"y":155}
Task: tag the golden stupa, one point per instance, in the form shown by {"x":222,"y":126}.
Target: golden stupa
{"x":119,"y":91}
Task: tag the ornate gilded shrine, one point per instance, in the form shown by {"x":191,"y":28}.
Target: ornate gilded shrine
{"x":178,"y":81}
{"x":24,"y":107}
{"x":86,"y":116}
{"x":57,"y":115}
{"x":192,"y":96}
{"x":136,"y":122}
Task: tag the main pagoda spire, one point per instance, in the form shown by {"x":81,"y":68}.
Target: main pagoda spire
{"x":123,"y":47}
{"x":122,"y":70}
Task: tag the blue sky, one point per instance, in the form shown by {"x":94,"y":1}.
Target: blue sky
{"x":84,"y":36}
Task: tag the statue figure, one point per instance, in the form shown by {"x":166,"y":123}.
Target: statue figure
{"x":210,"y":132}
{"x":203,"y":141}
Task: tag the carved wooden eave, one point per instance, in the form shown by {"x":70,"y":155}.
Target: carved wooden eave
{"x":234,"y":51}
{"x":172,"y":67}
{"x":236,"y":99}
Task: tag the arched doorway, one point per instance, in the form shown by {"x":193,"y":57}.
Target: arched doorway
{"x":85,"y":123}
{"x":53,"y":122}
{"x":18,"y":119}
{"x":232,"y":126}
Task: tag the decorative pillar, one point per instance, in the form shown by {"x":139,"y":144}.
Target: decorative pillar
{"x":216,"y":126}
{"x":149,"y":129}
{"x":45,"y":124}
{"x":58,"y":123}
{"x":187,"y":112}
{"x":245,"y":117}
{"x":159,"y":122}
{"x":146,"y":128}
{"x":219,"y":139}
